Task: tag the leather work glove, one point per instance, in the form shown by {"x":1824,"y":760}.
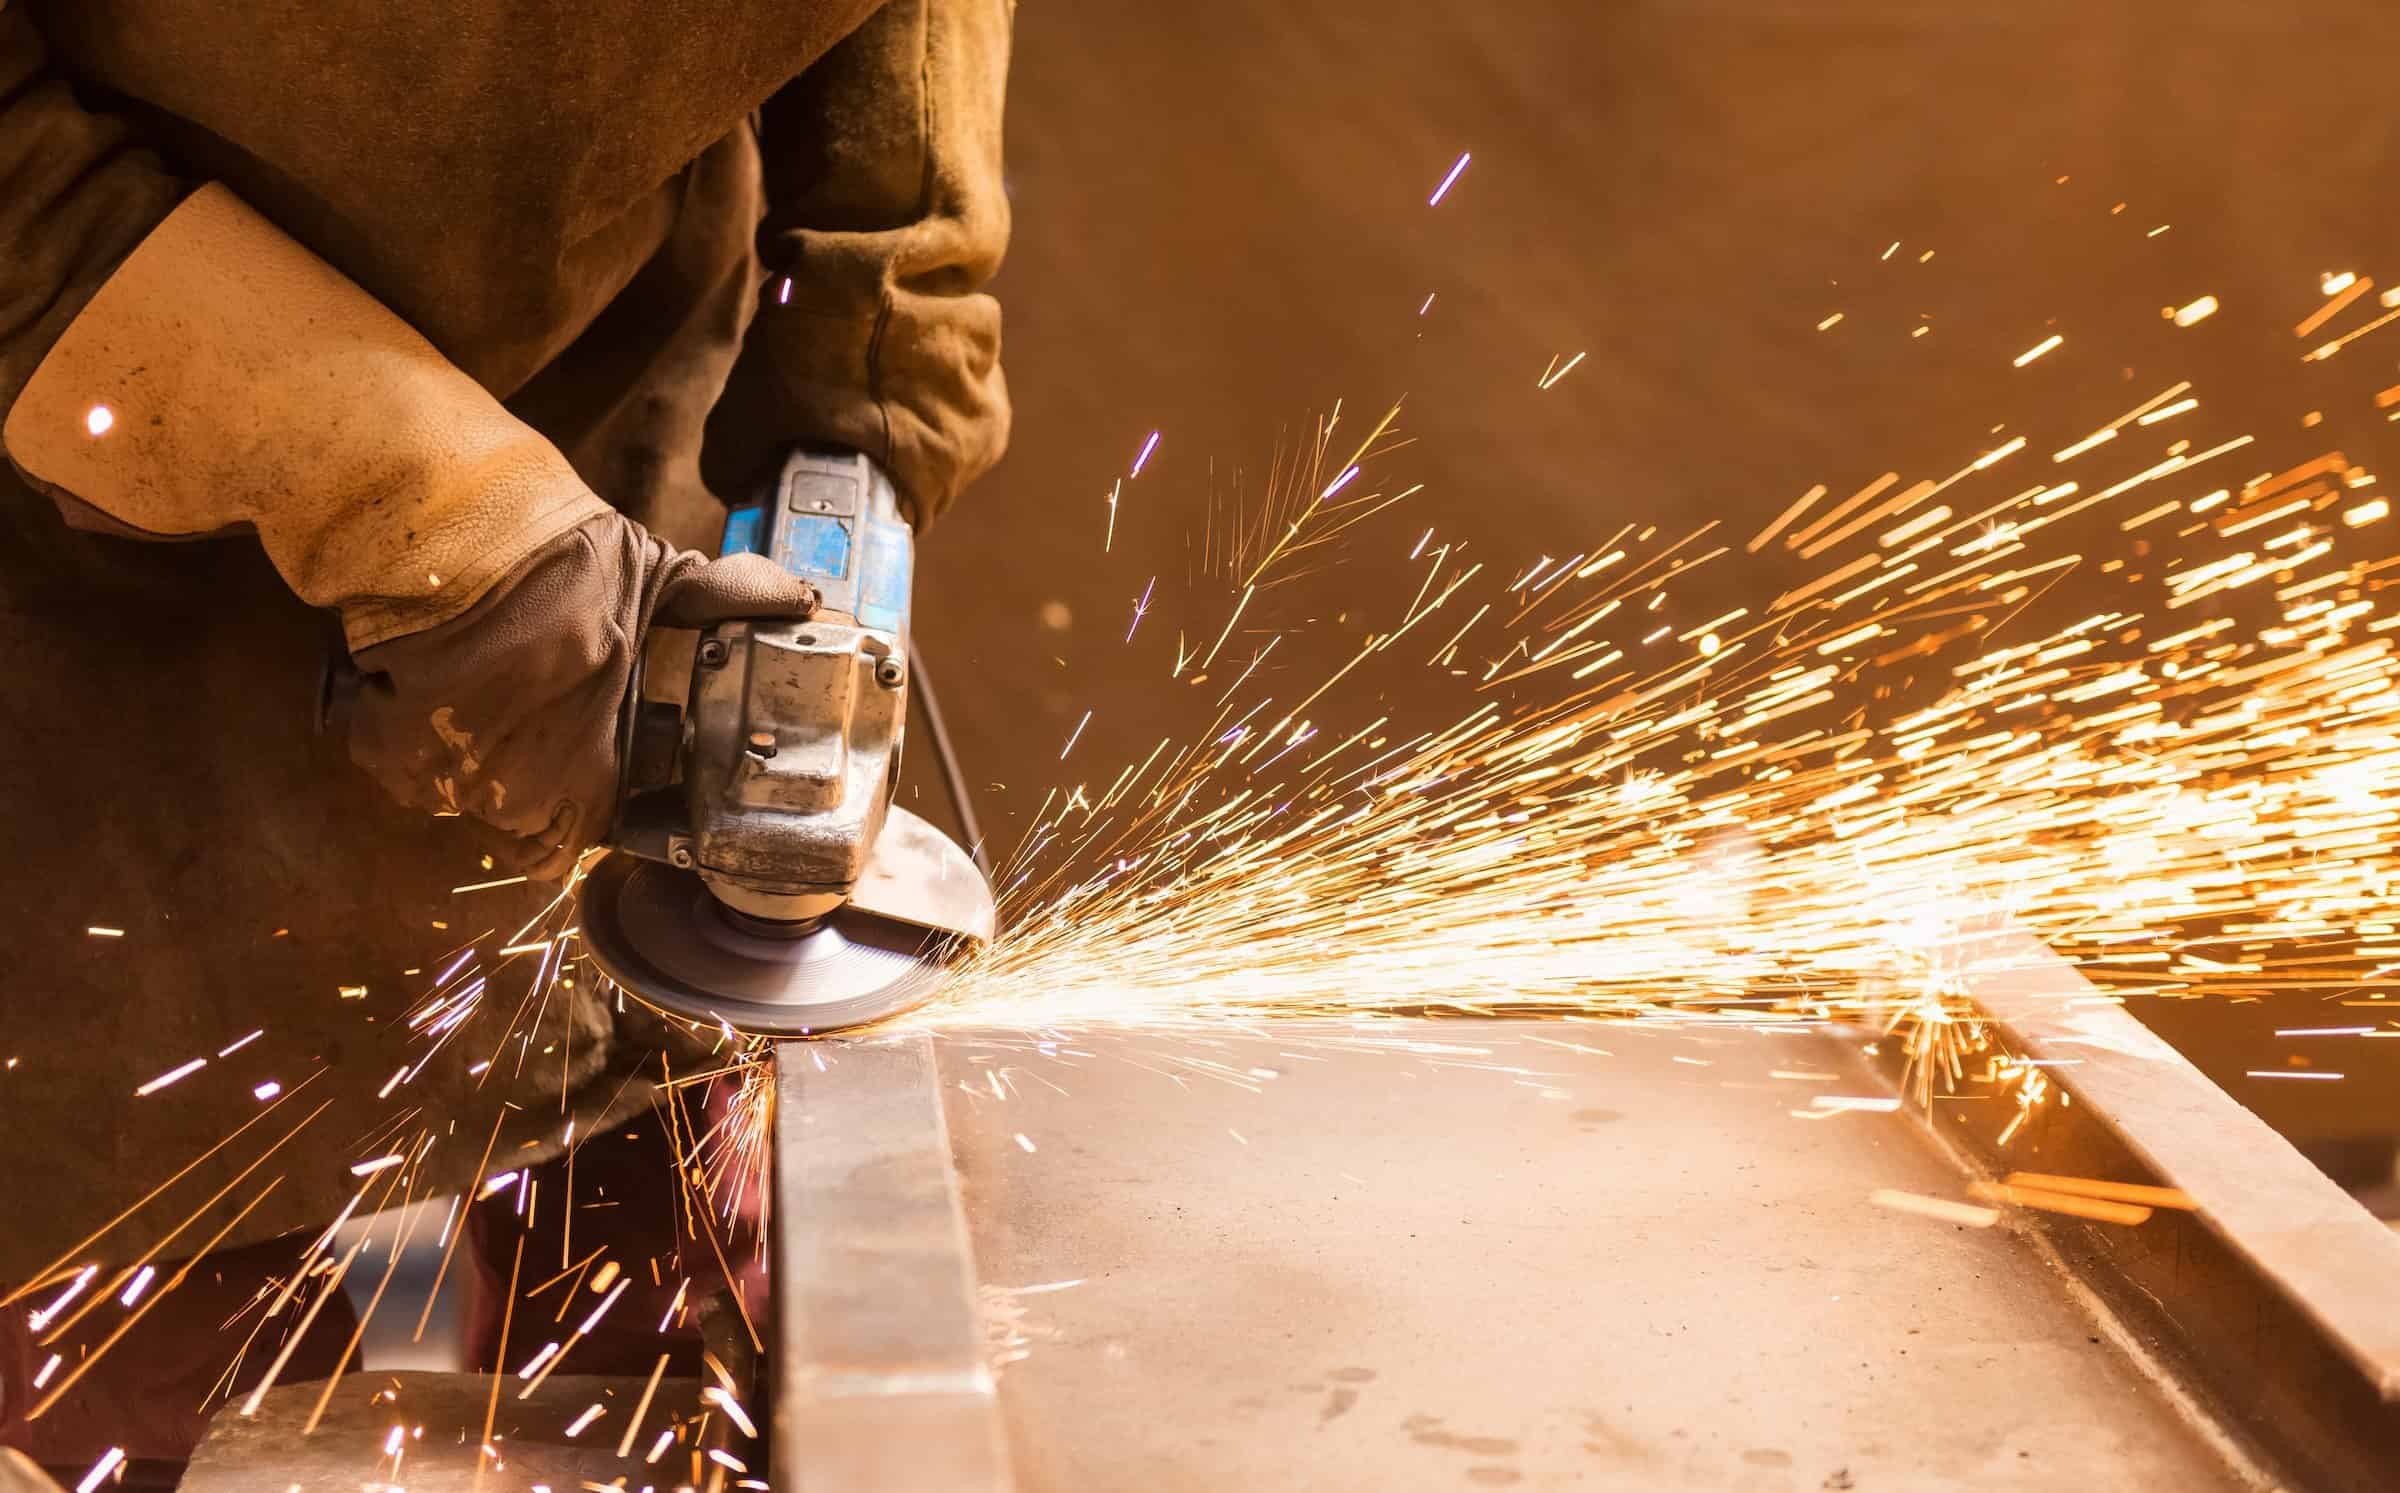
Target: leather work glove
{"x":224,"y":378}
{"x":509,"y":711}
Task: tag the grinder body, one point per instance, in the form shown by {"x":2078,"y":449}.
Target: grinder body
{"x":759,"y":873}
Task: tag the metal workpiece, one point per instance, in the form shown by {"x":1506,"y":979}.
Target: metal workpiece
{"x":347,"y":1447}
{"x":1471,"y":1254}
{"x":2272,"y":1296}
{"x":881,"y":1379}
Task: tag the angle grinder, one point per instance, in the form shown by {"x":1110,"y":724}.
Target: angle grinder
{"x":759,"y":874}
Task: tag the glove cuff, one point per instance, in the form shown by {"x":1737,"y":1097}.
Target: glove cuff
{"x":226,"y":378}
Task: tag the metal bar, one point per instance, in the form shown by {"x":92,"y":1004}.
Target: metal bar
{"x":546,"y":1440}
{"x":2273,"y":1296}
{"x":882,"y":1381}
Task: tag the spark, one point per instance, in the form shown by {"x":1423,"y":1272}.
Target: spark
{"x":99,"y":932}
{"x":2346,"y":290}
{"x":99,"y":420}
{"x":1785,"y":518}
{"x":2039,"y":348}
{"x":41,"y":1319}
{"x":170,"y":1076}
{"x":1143,"y":458}
{"x":641,"y":1407}
{"x":2099,"y":1210}
{"x":1074,"y":736}
{"x":2141,"y":1193}
{"x":2123,"y":789}
{"x":1965,"y":1214}
{"x":1552,"y":375}
{"x":554,"y":1354}
{"x":1141,"y":609}
{"x":723,"y":1399}
{"x":101,"y":1469}
{"x":1450,"y":180}
{"x":2192,"y":313}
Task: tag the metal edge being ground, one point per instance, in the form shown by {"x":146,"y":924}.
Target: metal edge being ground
{"x":2269,"y":1306}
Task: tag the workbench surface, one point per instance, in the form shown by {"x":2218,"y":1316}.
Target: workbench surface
{"x":1313,"y":1258}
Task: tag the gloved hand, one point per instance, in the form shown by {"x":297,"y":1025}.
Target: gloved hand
{"x":509,"y":712}
{"x":224,"y":378}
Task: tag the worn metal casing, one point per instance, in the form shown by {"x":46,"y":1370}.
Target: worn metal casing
{"x":796,"y":727}
{"x":793,"y":741}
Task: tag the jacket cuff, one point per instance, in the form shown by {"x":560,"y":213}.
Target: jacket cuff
{"x":226,"y":378}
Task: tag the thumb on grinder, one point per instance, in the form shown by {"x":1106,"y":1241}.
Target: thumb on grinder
{"x":695,"y":591}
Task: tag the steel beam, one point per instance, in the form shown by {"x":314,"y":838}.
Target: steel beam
{"x":883,"y":1382}
{"x":2271,"y":1297}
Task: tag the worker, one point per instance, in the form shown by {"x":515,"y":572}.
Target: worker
{"x":444,"y":324}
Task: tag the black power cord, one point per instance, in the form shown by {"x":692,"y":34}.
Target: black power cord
{"x":954,"y":777}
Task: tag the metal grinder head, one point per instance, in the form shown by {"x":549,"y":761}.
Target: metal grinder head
{"x":759,"y":875}
{"x":665,"y":935}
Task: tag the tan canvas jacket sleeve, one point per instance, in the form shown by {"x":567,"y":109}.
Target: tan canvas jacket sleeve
{"x":176,"y":365}
{"x":226,"y":377}
{"x":77,"y":191}
{"x":887,"y":217}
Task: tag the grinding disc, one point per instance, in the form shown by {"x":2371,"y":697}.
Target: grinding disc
{"x":656,"y":931}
